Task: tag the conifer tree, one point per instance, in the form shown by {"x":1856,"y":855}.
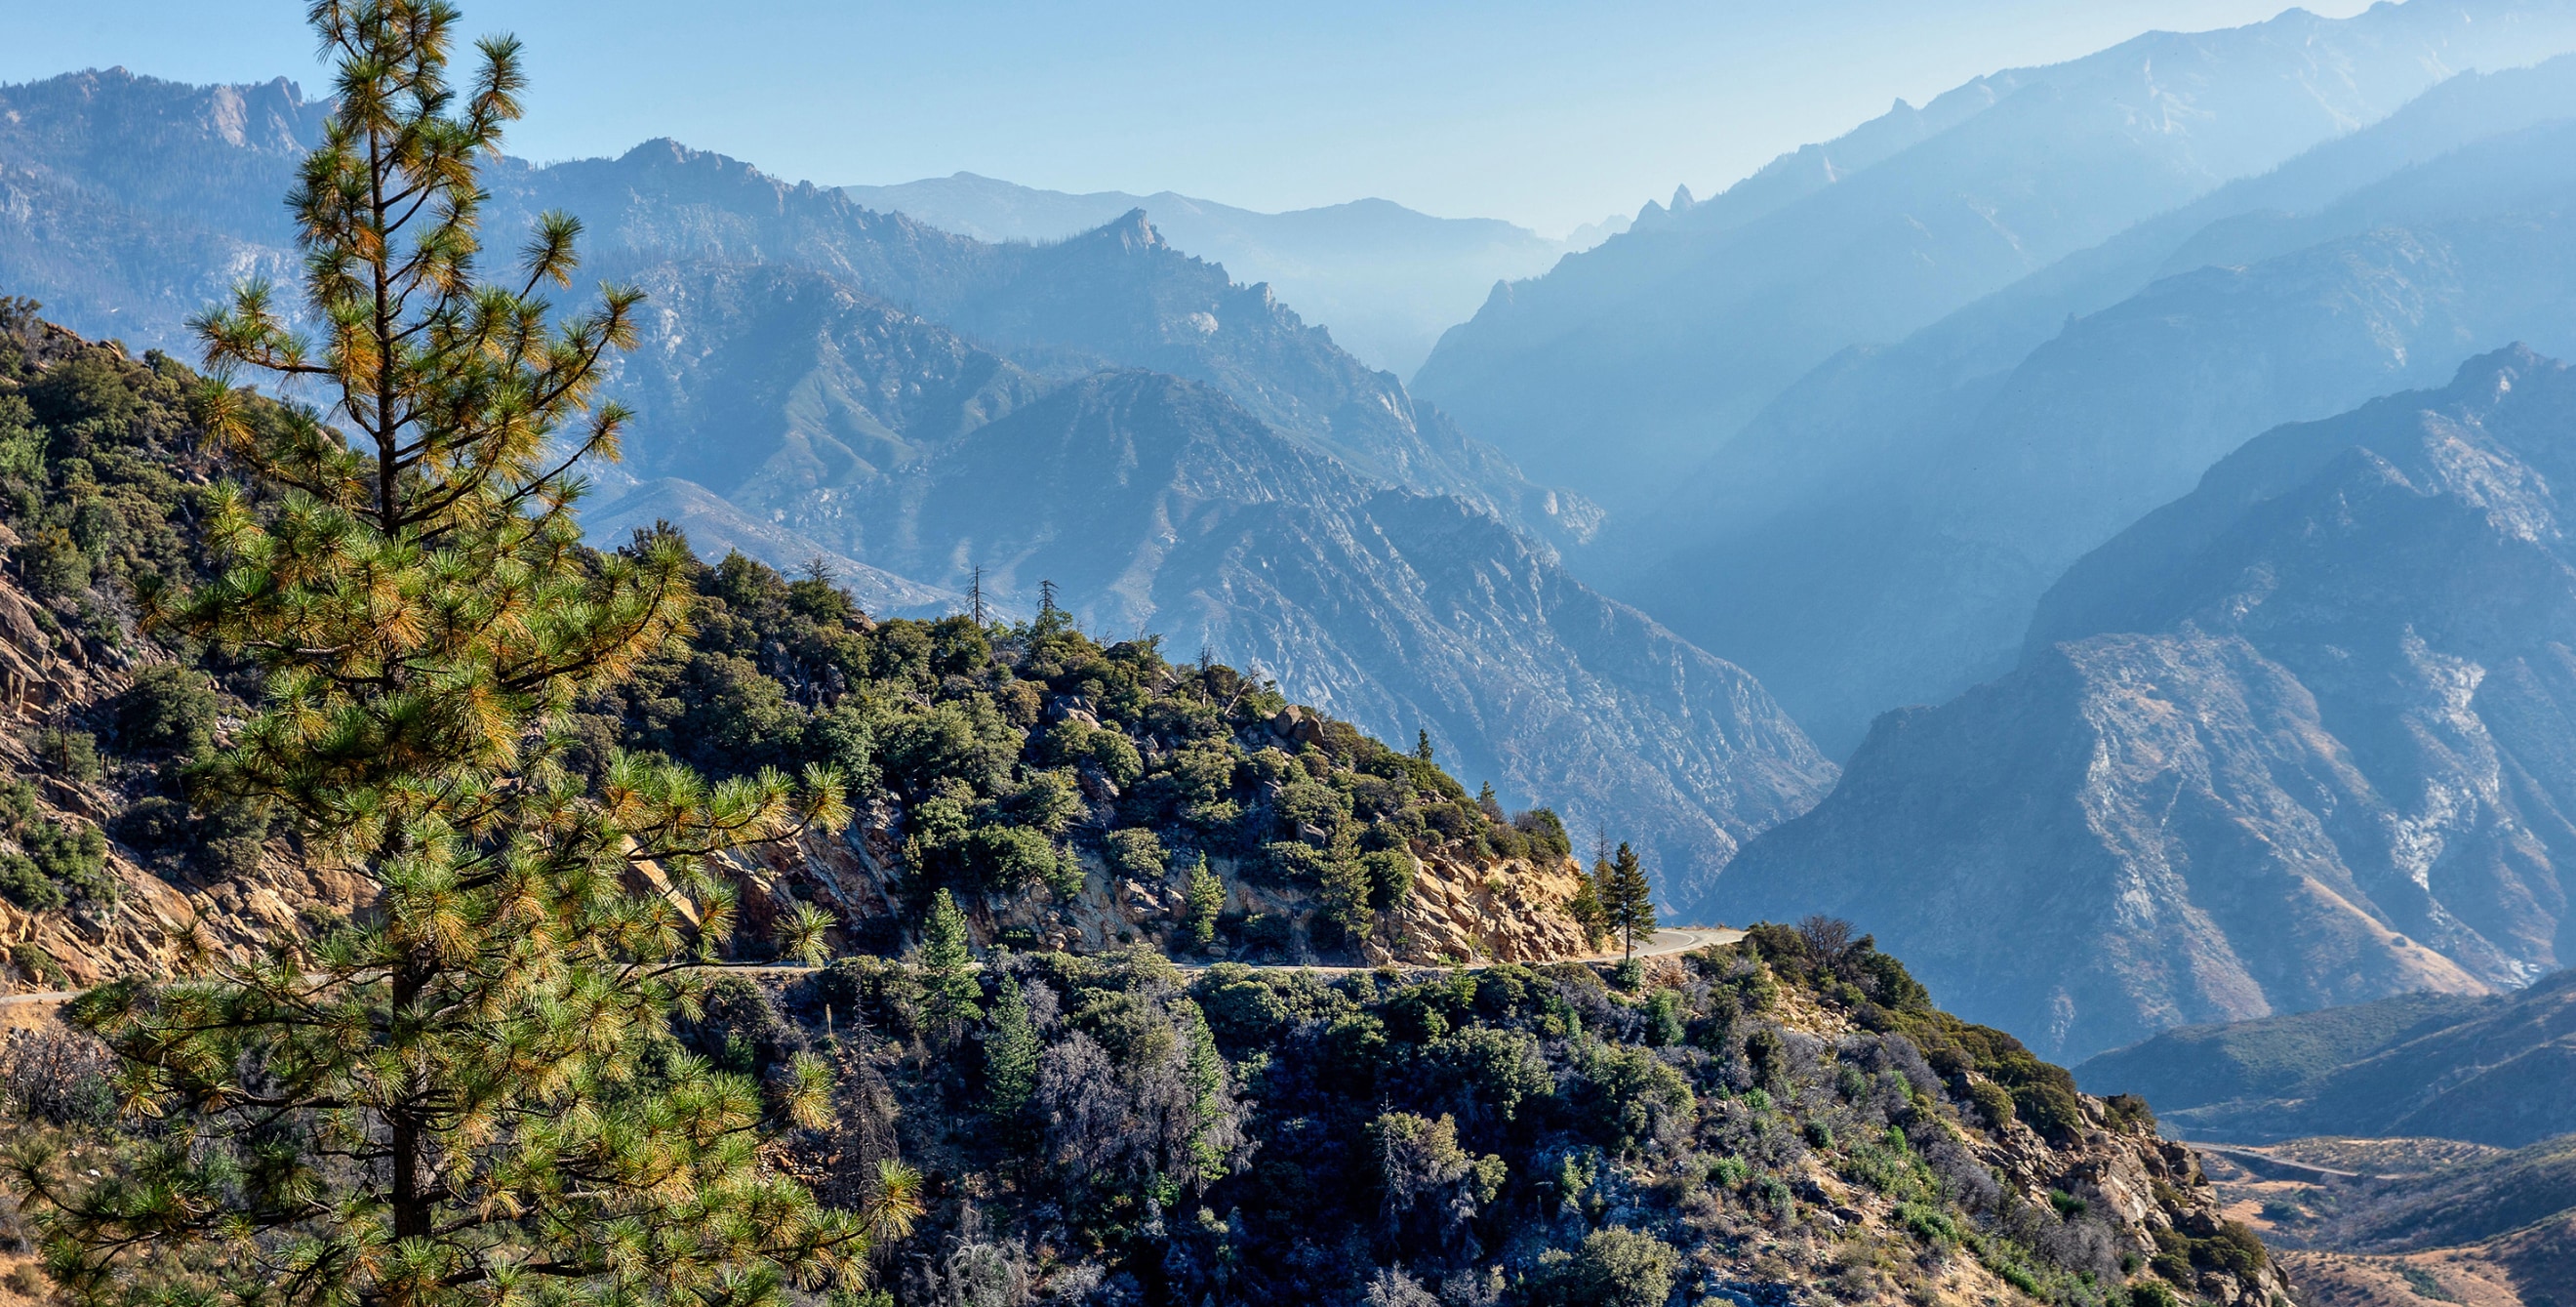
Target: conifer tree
{"x":1628,"y":900}
{"x":948,"y":964}
{"x":1204,"y":899}
{"x":469,"y":1095}
{"x":1585,"y":907}
{"x":1345,"y":892}
{"x":1011,"y":1049}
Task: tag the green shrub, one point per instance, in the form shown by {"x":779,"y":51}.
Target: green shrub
{"x":53,"y":565}
{"x":1623,"y":1094}
{"x":73,"y":755}
{"x":168,"y":708}
{"x":2152,"y":1293}
{"x":1135,"y":854}
{"x":1663,"y":1019}
{"x":1615,"y":1267}
{"x":1930,"y":1224}
{"x":1012,"y":858}
{"x":1994,"y":1102}
{"x":1390,"y":877}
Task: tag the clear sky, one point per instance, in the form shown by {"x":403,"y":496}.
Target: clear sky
{"x":1546,"y":114}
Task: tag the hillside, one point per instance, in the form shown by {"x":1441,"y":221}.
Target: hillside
{"x":1786,"y":1112}
{"x":1760,"y":1122}
{"x":1057,"y":786}
{"x":1384,"y":279}
{"x":1663,"y":342}
{"x":2289,"y":742}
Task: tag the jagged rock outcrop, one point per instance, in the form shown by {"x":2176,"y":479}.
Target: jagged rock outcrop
{"x":2293,"y":740}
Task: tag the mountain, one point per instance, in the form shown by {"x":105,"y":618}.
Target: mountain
{"x":1628,"y":364}
{"x":2294,"y":740}
{"x":1879,"y":534}
{"x":1386,"y":279}
{"x":2482,"y":1070}
{"x":805,"y":363}
{"x":1158,"y":503}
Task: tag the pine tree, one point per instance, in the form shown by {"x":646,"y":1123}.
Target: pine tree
{"x":470,"y":1095}
{"x":1204,"y":899}
{"x":1422,"y":745}
{"x":1629,"y":902}
{"x":1346,"y":897}
{"x":1010,"y":1052}
{"x":948,"y":965}
{"x":1586,"y":909}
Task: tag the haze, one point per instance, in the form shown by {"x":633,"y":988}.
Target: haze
{"x":1546,"y":115}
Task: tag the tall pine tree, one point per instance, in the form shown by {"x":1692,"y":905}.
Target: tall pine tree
{"x":1628,"y":902}
{"x":468,"y":1095}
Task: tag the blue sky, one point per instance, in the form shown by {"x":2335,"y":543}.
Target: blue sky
{"x":1546,"y":114}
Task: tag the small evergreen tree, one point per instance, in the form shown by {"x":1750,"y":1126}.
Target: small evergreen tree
{"x":1585,"y":907}
{"x":1346,"y":897}
{"x":1202,"y":901}
{"x":1422,"y":745}
{"x":1011,"y":1049}
{"x":471,"y":1094}
{"x":947,"y":964}
{"x":1628,"y":900}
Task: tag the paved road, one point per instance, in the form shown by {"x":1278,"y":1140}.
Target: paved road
{"x":1668,"y":941}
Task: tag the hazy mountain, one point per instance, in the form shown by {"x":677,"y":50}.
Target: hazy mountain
{"x":2294,"y":740}
{"x":147,"y":252}
{"x":1879,"y":534}
{"x":808,"y":370}
{"x":1385,"y":279}
{"x":1157,"y":503}
{"x":2485,"y":1070}
{"x":1627,"y":364}
{"x":131,"y":203}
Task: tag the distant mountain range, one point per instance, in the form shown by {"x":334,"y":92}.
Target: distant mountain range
{"x":1628,"y":365}
{"x":812,"y":372}
{"x":1385,"y":279}
{"x":1879,"y":534}
{"x":2299,"y":738}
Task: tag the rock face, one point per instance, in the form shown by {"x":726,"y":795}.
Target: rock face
{"x":2296,"y":739}
{"x":1629,"y":363}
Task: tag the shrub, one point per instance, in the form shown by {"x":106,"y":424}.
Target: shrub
{"x":1390,"y":877}
{"x":1012,"y":858}
{"x":2151,"y":1293}
{"x":72,"y":754}
{"x":1993,"y":1101}
{"x":1136,"y":854}
{"x":167,"y":708}
{"x":53,"y":565}
{"x":1623,"y":1095}
{"x":1615,"y":1267}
